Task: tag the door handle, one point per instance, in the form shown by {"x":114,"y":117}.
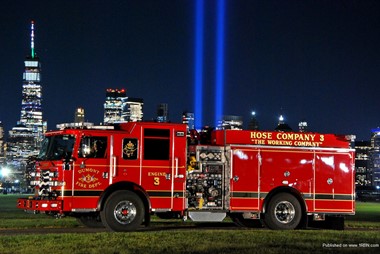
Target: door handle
{"x":176,"y":169}
{"x":113,"y":166}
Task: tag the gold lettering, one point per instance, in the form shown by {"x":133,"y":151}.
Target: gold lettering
{"x":307,"y":143}
{"x":258,"y":142}
{"x":295,"y":136}
{"x":82,"y":185}
{"x":94,"y":185}
{"x":88,"y":170}
{"x":261,"y":135}
{"x":284,"y":138}
{"x":156,"y":174}
{"x":280,"y":142}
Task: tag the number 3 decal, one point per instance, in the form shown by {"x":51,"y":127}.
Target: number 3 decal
{"x":156,"y":181}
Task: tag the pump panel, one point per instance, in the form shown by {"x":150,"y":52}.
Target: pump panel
{"x":205,"y":182}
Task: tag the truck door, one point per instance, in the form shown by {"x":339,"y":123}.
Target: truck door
{"x":163,"y":167}
{"x":244,"y":179}
{"x":89,"y":174}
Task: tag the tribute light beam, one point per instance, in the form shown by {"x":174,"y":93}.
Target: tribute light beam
{"x":198,"y":87}
{"x":219,"y":62}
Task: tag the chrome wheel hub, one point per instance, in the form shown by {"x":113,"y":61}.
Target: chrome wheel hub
{"x":125,"y":212}
{"x":284,"y":212}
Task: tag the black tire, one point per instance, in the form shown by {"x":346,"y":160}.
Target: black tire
{"x":123,"y":211}
{"x":90,"y":220}
{"x":239,"y":220}
{"x":283,"y":212}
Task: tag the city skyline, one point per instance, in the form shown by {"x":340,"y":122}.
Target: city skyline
{"x":304,"y":60}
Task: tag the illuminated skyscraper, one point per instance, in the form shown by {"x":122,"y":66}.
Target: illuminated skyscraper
{"x":114,"y":105}
{"x":282,"y":126}
{"x":162,"y":113}
{"x":302,"y":126}
{"x":363,"y":152}
{"x":133,"y":110}
{"x":231,"y":123}
{"x":31,"y":105}
{"x":119,"y":108}
{"x":375,"y":158}
{"x":25,"y":138}
{"x":79,"y":115}
{"x":188,"y":118}
{"x":253,"y":123}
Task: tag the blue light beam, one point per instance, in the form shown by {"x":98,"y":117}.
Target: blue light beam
{"x":219,"y":62}
{"x":198,"y":86}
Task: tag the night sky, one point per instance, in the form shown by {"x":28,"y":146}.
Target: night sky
{"x":312,"y":60}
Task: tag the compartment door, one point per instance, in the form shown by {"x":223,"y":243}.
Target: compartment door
{"x":244,"y":179}
{"x":334,"y":182}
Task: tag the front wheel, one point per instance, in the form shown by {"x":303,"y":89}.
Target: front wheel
{"x":283,"y":212}
{"x":123,"y":211}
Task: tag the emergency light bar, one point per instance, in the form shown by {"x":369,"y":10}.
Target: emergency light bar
{"x":83,"y":125}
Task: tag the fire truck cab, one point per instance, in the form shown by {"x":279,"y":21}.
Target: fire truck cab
{"x":118,"y":176}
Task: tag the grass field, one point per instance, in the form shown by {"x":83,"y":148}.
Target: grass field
{"x":194,"y":240}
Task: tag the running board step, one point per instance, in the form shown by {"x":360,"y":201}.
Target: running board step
{"x":205,"y":216}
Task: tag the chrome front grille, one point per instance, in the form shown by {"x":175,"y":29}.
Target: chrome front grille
{"x":44,"y":187}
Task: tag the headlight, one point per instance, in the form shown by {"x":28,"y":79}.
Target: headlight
{"x":56,"y":183}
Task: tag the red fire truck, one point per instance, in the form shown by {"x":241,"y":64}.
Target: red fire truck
{"x":119,"y":176}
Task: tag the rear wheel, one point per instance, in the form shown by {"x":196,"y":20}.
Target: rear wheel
{"x":123,"y":211}
{"x":283,"y":212}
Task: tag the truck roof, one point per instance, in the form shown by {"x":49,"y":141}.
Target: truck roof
{"x":119,"y":127}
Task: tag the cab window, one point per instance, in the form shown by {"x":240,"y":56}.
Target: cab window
{"x":156,"y":144}
{"x":93,"y":147}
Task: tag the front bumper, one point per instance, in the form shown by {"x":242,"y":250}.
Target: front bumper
{"x":33,"y":204}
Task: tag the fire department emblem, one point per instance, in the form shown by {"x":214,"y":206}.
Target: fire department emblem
{"x":129,"y":149}
{"x":88,"y":178}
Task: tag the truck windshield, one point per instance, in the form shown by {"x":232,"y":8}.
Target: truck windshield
{"x":57,"y":147}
